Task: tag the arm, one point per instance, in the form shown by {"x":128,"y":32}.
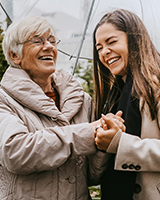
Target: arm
{"x":24,"y":152}
{"x":138,"y":154}
{"x":143,"y":152}
{"x":98,"y":163}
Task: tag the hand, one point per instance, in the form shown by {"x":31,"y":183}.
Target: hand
{"x":95,"y":124}
{"x":117,"y":119}
{"x":105,"y":136}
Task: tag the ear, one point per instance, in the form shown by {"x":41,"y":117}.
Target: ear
{"x":15,"y":58}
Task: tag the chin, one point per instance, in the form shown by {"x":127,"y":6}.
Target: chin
{"x":51,"y":69}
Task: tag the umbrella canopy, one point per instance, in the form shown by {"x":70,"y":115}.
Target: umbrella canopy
{"x":69,"y":18}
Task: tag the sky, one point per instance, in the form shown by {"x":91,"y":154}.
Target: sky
{"x":67,"y":6}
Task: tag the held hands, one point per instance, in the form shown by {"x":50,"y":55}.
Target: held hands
{"x":109,"y":126}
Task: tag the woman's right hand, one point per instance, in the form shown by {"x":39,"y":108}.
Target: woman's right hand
{"x":117,"y":118}
{"x":110,"y":126}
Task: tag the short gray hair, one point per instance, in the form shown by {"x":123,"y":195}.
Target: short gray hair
{"x":21,"y":31}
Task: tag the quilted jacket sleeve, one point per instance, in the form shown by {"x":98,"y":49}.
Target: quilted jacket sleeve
{"x":25,"y":152}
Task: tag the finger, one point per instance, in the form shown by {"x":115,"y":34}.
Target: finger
{"x":120,"y":124}
{"x":102,"y":142}
{"x":119,"y":113}
{"x":110,"y":115}
{"x":122,"y":127}
{"x":111,"y":123}
{"x":103,"y":125}
{"x":102,"y":122}
{"x":117,"y":122}
{"x":103,"y":138}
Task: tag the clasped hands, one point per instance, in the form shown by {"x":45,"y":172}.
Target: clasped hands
{"x":108,"y":126}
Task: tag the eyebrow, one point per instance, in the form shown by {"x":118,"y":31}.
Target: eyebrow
{"x":36,"y":36}
{"x":106,"y":40}
{"x":51,"y":35}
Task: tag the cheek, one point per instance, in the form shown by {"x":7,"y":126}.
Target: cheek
{"x":28,"y":60}
{"x":56,"y":54}
{"x":126,"y":58}
{"x":101,"y":58}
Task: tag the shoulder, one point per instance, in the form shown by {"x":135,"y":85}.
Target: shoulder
{"x":6,"y":101}
{"x":87,"y":97}
{"x":4,"y":97}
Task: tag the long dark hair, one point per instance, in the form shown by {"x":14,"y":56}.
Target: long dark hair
{"x":143,"y":61}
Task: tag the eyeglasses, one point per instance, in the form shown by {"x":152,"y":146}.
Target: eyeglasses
{"x":38,"y":41}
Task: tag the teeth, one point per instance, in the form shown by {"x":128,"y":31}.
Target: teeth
{"x":112,"y":60}
{"x":46,"y":57}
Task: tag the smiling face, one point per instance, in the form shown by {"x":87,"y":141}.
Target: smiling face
{"x":112,"y":47}
{"x":39,"y":61}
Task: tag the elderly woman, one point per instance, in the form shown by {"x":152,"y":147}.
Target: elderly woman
{"x":43,"y":154}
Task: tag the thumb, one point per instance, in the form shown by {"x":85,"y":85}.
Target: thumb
{"x":119,"y":113}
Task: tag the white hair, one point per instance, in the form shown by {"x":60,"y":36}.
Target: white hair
{"x":21,"y":31}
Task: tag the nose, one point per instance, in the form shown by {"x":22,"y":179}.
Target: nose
{"x":48,"y":45}
{"x":105,"y":51}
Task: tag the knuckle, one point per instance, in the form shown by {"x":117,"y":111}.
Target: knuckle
{"x":99,"y":135}
{"x":109,"y":115}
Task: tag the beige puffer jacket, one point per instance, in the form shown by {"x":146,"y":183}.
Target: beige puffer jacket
{"x":41,"y":157}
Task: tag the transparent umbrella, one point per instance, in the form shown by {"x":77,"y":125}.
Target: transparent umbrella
{"x":74,"y":22}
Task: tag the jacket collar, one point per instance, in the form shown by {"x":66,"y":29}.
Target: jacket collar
{"x":19,"y":86}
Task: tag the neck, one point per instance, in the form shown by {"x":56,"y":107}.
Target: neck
{"x":124,"y":78}
{"x":45,"y":84}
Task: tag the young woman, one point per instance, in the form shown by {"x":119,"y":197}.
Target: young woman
{"x":127,"y":78}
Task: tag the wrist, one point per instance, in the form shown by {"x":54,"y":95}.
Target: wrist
{"x":95,"y":125}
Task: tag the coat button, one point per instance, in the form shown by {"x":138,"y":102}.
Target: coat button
{"x":124,"y":166}
{"x":72,"y":179}
{"x":137,"y":188}
{"x":137,"y":167}
{"x":131,"y":166}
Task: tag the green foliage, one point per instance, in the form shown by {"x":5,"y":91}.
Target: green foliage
{"x":3,"y":62}
{"x":85,"y":73}
{"x":95,"y":192}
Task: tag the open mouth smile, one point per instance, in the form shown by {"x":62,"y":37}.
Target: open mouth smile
{"x":46,"y":58}
{"x":113,"y":60}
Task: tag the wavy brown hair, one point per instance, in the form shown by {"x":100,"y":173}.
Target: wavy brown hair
{"x":143,"y":61}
